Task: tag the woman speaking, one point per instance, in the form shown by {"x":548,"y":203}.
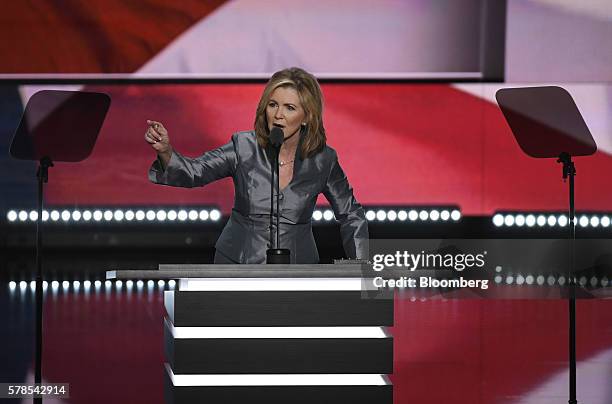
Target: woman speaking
{"x":291,"y":101}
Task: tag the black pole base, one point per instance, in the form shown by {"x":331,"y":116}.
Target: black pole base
{"x":278,"y":256}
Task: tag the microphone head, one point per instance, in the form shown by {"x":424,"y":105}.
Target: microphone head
{"x":277,"y":137}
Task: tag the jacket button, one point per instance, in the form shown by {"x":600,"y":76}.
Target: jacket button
{"x":281,"y":197}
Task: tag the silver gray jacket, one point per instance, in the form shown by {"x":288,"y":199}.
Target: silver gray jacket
{"x":245,"y":237}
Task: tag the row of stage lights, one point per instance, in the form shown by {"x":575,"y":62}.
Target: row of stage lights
{"x":97,"y":286}
{"x":550,"y":280}
{"x":139,"y":285}
{"x":327,"y":215}
{"x":413,"y":215}
{"x":549,"y":220}
{"x":392,"y":215}
{"x":214,"y":215}
{"x":117,"y":215}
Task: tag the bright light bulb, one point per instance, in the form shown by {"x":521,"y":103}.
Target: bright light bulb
{"x":215,"y":215}
{"x":455,"y":215}
{"x":172,"y":215}
{"x":118,"y":215}
{"x":434,"y":215}
{"x":11,"y":216}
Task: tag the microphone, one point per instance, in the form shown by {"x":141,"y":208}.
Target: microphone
{"x":274,"y":254}
{"x":277,"y":137}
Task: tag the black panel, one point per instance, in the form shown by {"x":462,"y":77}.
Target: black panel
{"x":192,"y":309}
{"x":493,"y":40}
{"x":279,"y":355}
{"x":279,"y":394}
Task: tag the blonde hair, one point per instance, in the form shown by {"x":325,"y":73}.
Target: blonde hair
{"x":311,"y":98}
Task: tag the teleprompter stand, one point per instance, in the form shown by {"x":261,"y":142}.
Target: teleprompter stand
{"x":547,"y":124}
{"x":56,"y":126}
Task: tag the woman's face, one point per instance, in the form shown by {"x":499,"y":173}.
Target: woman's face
{"x":285,"y":110}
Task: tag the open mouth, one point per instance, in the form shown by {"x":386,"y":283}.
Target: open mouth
{"x":278,"y":125}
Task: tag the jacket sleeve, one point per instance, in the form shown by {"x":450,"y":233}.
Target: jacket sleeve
{"x":195,"y":172}
{"x":350,"y":214}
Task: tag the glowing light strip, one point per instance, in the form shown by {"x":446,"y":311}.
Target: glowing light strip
{"x":359,"y":379}
{"x":276,"y":332}
{"x":100,"y":215}
{"x":530,"y":220}
{"x":413,"y":215}
{"x":97,"y":285}
{"x":271,"y":284}
{"x":106,"y":215}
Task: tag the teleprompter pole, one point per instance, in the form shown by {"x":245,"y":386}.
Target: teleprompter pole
{"x":569,"y":170}
{"x":43,"y":176}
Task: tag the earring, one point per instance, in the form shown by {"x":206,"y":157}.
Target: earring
{"x":303,"y":123}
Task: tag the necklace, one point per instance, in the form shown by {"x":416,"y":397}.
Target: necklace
{"x":284,"y":163}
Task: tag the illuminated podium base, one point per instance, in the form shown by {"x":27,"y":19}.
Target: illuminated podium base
{"x":274,"y":334}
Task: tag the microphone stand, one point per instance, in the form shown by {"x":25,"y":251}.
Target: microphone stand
{"x":275,"y":254}
{"x":276,"y":167}
{"x":275,"y":153}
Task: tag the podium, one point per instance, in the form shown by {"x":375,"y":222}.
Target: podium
{"x":273,"y":334}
